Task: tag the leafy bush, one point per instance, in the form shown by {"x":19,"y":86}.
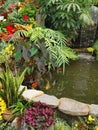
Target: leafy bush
{"x":45,"y":47}
{"x":95,"y":47}
{"x":6,"y":126}
{"x":61,"y":125}
{"x":86,"y":123}
{"x":67,"y":15}
{"x":39,"y":116}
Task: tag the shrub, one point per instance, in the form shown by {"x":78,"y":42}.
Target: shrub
{"x":39,"y":116}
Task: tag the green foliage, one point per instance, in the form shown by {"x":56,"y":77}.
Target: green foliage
{"x":61,"y":125}
{"x":67,"y":15}
{"x":29,"y":10}
{"x":20,"y":106}
{"x":95,"y":47}
{"x":4,"y":57}
{"x":85,"y":123}
{"x":47,"y":45}
{"x":6,"y":126}
{"x":95,"y":2}
{"x":6,"y":4}
{"x":2,"y":26}
{"x":17,"y":17}
{"x":10,"y":85}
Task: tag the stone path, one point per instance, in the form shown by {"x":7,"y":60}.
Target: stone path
{"x":65,"y":105}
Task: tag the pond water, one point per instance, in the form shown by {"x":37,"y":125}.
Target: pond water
{"x":80,"y":82}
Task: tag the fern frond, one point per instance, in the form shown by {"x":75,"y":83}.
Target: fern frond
{"x":18,"y":34}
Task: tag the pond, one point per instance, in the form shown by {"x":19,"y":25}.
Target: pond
{"x":80,"y":82}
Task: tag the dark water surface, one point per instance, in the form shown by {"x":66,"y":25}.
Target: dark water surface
{"x":80,"y":82}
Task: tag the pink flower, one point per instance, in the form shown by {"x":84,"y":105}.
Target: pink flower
{"x":12,"y":6}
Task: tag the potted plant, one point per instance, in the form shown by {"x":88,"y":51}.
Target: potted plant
{"x":10,"y":85}
{"x":10,"y":88}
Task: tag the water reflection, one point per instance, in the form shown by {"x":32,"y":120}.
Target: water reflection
{"x":79,"y":82}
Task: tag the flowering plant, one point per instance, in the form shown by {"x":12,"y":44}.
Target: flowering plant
{"x":39,"y":116}
{"x":86,"y":123}
{"x":7,"y":32}
{"x":2,"y":107}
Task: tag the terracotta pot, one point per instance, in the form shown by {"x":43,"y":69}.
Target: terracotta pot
{"x":7,"y":115}
{"x":1,"y":2}
{"x":37,"y":6}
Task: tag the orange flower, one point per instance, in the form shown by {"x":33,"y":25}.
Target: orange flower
{"x":34,"y":84}
{"x":59,"y":68}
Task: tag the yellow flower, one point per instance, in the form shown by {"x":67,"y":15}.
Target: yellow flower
{"x":19,"y":4}
{"x":0,"y":117}
{"x":96,"y":128}
{"x":28,"y":26}
{"x":90,"y":49}
{"x":90,"y":119}
{"x":0,"y":99}
{"x":19,"y":10}
{"x":2,"y":107}
{"x":9,"y":49}
{"x":76,"y":125}
{"x":13,"y":48}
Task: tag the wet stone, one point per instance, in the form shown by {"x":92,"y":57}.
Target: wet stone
{"x":48,"y":99}
{"x":73,"y":107}
{"x":29,"y":94}
{"x":93,"y":110}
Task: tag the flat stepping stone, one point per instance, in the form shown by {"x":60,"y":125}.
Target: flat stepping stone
{"x":93,"y":110}
{"x":29,"y":94}
{"x":21,"y":87}
{"x":73,"y":107}
{"x":48,"y":99}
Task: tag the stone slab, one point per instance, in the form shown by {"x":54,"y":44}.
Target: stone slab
{"x":73,"y":107}
{"x":48,"y":99}
{"x":29,"y":94}
{"x":93,"y":110}
{"x":21,"y":87}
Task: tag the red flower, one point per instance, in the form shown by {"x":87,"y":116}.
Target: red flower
{"x":10,"y":29}
{"x":25,"y":17}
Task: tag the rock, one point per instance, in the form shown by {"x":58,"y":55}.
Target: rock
{"x":48,"y":99}
{"x":73,"y":107}
{"x":16,"y":123}
{"x":51,"y":127}
{"x":29,"y":94}
{"x":86,"y":56}
{"x":93,"y":110}
{"x":21,"y":87}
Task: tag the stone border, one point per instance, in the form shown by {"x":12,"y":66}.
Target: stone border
{"x":65,"y":105}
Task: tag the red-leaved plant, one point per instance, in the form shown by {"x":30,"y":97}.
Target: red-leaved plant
{"x":39,"y":115}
